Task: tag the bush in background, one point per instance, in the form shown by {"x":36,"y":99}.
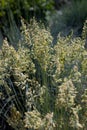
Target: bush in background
{"x":26,"y":8}
{"x":70,"y":17}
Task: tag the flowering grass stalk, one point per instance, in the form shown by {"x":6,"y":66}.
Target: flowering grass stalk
{"x":44,"y":87}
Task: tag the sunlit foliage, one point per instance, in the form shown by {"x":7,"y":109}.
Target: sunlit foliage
{"x":44,"y":87}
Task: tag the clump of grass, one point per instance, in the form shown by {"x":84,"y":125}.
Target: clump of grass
{"x":43,"y":87}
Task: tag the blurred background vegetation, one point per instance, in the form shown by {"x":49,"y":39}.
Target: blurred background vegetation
{"x":69,"y":17}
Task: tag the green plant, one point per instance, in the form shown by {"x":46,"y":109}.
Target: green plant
{"x":25,"y":8}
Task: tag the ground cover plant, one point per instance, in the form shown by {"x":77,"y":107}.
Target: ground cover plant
{"x":44,"y":86}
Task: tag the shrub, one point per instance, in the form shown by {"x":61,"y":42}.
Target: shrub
{"x":44,"y":87}
{"x":25,"y":8}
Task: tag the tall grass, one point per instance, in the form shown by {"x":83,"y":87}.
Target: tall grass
{"x":44,"y":87}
